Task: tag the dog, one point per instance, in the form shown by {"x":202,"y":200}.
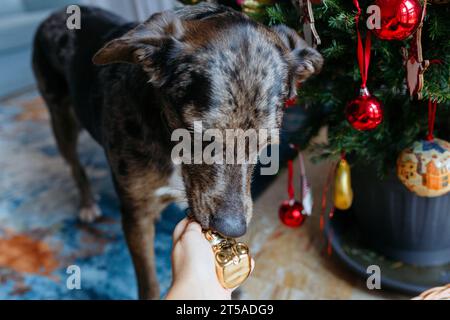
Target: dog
{"x":131,"y":84}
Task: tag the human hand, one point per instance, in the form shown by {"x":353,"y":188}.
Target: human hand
{"x":193,"y":266}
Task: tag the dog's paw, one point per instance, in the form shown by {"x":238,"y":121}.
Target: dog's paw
{"x":90,"y":214}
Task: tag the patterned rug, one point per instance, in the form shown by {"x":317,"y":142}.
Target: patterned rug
{"x":40,"y":235}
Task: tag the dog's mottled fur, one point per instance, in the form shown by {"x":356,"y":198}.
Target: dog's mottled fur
{"x":130,"y":85}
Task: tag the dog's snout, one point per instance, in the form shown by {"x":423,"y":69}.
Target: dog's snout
{"x":229,"y":224}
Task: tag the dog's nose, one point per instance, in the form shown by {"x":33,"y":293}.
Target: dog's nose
{"x":229,"y":225}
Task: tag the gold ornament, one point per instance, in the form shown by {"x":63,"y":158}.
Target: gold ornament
{"x":255,"y":8}
{"x":343,"y":193}
{"x":233,"y":261}
{"x":424,"y":168}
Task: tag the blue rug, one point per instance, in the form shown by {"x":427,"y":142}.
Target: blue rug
{"x":40,"y":235}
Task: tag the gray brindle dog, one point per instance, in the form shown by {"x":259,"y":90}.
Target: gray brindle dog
{"x":130,"y":85}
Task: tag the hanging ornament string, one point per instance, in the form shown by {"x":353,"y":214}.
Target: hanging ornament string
{"x":305,"y":187}
{"x":309,"y":29}
{"x":290,"y":189}
{"x":329,"y":243}
{"x":432,"y":106}
{"x":326,"y":188}
{"x":362,"y":51}
{"x":312,"y":24}
{"x":323,"y":208}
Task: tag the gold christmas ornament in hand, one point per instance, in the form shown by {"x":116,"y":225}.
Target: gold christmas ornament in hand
{"x":233,"y":261}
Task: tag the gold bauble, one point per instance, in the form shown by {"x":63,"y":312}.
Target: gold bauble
{"x":233,"y":261}
{"x":343,"y":193}
{"x":255,"y":7}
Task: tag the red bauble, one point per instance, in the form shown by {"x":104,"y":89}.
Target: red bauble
{"x":364,"y":112}
{"x":291,"y":213}
{"x":399,"y":18}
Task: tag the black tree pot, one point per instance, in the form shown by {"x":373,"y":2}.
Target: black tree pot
{"x":399,"y":224}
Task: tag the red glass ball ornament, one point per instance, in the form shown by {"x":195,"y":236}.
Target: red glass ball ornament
{"x":399,"y":18}
{"x":291,"y":213}
{"x":365,"y":112}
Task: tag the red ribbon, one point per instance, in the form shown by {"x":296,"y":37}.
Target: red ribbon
{"x":304,"y":186}
{"x":329,"y":243}
{"x":436,"y":61}
{"x":291,"y":180}
{"x":432,"y":106}
{"x":326,"y":188}
{"x":363,"y":52}
{"x":290,"y":102}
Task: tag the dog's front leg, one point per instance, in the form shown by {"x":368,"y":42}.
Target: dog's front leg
{"x":139,"y":228}
{"x":140,"y":208}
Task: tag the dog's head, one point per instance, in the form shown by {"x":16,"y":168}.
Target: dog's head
{"x":216,"y":66}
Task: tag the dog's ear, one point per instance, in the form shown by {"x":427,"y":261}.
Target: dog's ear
{"x":141,"y":44}
{"x":304,"y":61}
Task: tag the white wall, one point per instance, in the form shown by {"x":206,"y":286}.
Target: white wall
{"x":19,"y":18}
{"x":134,"y":9}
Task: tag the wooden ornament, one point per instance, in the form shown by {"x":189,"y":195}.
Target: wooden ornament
{"x":310,"y":33}
{"x":415,"y":64}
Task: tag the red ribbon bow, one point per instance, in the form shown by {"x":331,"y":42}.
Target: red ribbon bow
{"x":432,"y":106}
{"x":363,"y":52}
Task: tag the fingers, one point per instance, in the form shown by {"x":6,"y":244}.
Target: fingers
{"x":186,"y":226}
{"x":194,"y":227}
{"x":188,"y":233}
{"x":179,"y":229}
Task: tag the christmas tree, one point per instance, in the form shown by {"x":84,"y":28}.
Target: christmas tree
{"x":405,"y":118}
